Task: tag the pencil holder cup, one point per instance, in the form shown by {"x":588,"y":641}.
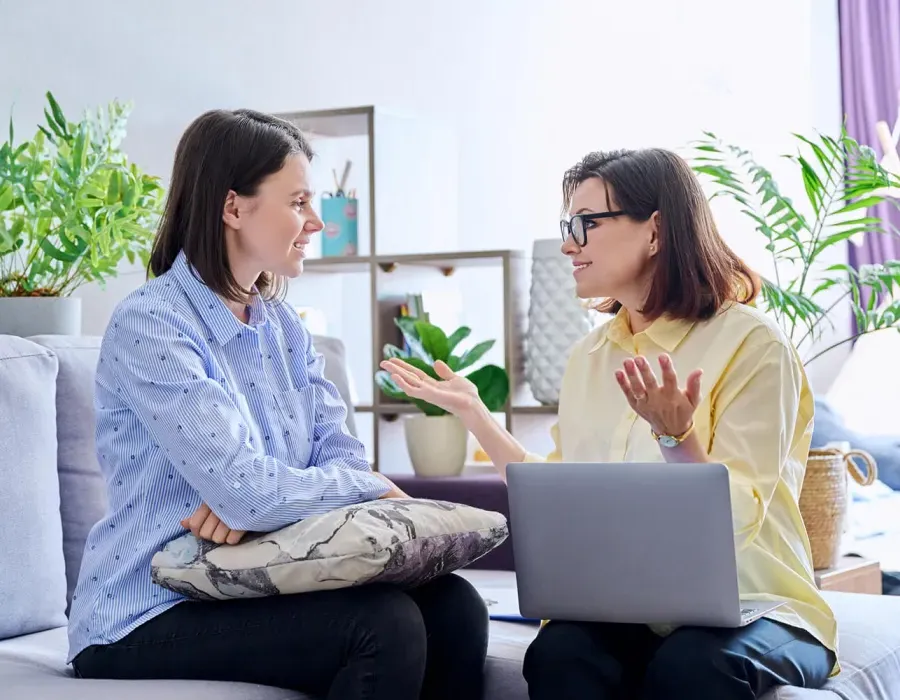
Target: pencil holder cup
{"x":339,"y":237}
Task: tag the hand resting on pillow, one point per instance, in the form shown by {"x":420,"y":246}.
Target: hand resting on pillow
{"x":206,"y":525}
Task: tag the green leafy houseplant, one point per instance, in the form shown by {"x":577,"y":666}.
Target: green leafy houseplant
{"x":71,"y":205}
{"x":842,"y":180}
{"x":427,"y":344}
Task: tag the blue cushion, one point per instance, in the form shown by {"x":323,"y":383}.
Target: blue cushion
{"x":885,"y":449}
{"x":82,"y":488}
{"x":33,"y":575}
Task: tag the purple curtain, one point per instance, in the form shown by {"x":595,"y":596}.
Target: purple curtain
{"x":870,"y":79}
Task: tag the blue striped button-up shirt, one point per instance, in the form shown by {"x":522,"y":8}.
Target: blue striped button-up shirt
{"x":195,"y":406}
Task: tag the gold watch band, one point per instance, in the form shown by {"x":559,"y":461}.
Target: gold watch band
{"x":676,"y":439}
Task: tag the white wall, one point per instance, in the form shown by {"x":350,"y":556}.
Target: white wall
{"x":528,"y":85}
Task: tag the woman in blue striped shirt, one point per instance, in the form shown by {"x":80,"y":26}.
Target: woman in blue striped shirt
{"x":213,"y":415}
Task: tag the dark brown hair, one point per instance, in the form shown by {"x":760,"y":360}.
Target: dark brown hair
{"x":221,"y":150}
{"x":696,"y":272}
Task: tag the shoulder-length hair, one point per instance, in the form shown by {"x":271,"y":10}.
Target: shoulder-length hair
{"x":696,"y":272}
{"x":221,"y":151}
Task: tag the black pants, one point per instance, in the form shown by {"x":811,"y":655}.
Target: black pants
{"x":373,"y":642}
{"x":603,"y":661}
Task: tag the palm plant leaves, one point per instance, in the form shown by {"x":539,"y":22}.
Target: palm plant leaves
{"x":841,"y":180}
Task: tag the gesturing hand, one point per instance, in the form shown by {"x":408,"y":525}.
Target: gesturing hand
{"x":453,"y":392}
{"x":206,"y":526}
{"x":665,"y":406}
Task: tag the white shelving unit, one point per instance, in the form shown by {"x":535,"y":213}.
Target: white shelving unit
{"x":405,"y":173}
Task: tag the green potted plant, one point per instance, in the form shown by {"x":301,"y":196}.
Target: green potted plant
{"x":436,"y":440}
{"x":842,"y":180}
{"x":72,"y":208}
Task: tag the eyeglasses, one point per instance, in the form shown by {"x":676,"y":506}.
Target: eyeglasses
{"x":575,"y":227}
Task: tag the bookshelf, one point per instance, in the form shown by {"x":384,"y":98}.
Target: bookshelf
{"x":387,"y":152}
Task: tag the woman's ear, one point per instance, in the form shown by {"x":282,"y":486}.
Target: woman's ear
{"x":654,"y":233}
{"x":230,"y":212}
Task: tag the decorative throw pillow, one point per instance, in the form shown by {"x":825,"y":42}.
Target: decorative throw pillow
{"x":400,"y":541}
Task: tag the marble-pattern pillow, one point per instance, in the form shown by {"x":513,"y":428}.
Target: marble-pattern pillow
{"x":400,"y":541}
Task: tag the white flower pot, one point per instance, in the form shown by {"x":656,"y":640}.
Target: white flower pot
{"x":557,"y":319}
{"x":436,"y":444}
{"x":27,"y":316}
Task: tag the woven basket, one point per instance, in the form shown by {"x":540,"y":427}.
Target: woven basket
{"x":824,"y":499}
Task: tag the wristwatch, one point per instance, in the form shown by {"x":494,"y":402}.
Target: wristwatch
{"x":672,"y":440}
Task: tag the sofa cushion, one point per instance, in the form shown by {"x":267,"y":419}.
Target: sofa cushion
{"x":34,"y":667}
{"x":33,"y":575}
{"x":885,"y":449}
{"x":405,"y":542}
{"x":82,"y":489}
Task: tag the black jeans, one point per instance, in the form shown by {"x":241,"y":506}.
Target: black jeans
{"x":603,"y":661}
{"x":374,"y":642}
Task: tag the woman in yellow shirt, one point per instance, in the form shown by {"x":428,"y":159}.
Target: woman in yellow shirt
{"x":641,"y":236}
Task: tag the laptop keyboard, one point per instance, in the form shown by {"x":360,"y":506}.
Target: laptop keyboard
{"x":747,"y":611}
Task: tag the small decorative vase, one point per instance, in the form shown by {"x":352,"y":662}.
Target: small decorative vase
{"x":824,"y":499}
{"x":436,"y":444}
{"x":28,"y":316}
{"x":557,"y":319}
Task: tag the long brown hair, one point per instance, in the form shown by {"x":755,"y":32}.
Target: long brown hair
{"x":221,"y":150}
{"x":696,"y":272}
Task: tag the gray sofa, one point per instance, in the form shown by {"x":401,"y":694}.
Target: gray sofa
{"x":51,"y":492}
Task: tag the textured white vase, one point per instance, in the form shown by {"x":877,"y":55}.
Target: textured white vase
{"x":436,"y":444}
{"x":557,"y":319}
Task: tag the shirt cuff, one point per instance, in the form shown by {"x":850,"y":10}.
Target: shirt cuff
{"x":371,"y":487}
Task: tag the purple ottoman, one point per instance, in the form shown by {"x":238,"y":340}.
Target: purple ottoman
{"x":487,"y":491}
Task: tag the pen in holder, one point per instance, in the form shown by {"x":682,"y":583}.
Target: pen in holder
{"x":339,"y":214}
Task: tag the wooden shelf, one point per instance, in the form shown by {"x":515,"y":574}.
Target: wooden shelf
{"x":350,"y":263}
{"x":388,"y":151}
{"x":537,"y":410}
{"x":446,"y":262}
{"x":333,"y":123}
{"x":851,"y":575}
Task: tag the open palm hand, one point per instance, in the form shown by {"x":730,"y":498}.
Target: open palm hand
{"x":668,"y":408}
{"x":452,"y":392}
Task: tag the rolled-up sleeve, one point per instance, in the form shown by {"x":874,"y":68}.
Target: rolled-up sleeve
{"x":757,"y":409}
{"x":159,"y":367}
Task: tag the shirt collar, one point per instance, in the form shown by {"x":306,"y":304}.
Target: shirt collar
{"x":665,"y":332}
{"x":222,"y":323}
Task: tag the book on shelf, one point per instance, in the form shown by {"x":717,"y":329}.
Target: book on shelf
{"x":394,"y":307}
{"x":391,"y":308}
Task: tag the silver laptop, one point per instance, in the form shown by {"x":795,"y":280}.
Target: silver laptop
{"x":631,"y":543}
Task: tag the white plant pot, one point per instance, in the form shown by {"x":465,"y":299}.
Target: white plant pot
{"x":437,"y":444}
{"x":27,"y":316}
{"x":557,"y":319}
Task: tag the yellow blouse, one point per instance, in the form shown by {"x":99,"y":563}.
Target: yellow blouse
{"x":755,"y":416}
